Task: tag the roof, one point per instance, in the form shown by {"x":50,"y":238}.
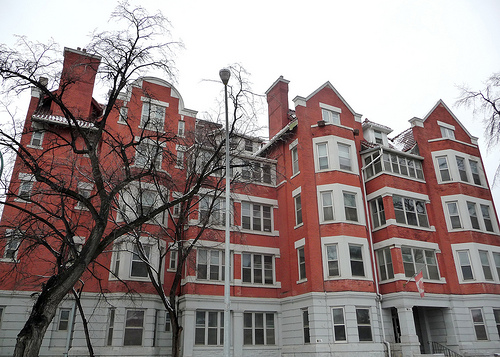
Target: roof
{"x":60,"y":120}
{"x":369,"y":123}
{"x":289,"y":127}
{"x":404,"y":141}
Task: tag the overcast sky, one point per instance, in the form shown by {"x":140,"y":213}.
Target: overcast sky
{"x":390,"y":60}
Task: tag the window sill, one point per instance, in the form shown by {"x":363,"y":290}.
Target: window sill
{"x":9,"y":260}
{"x":301,"y":281}
{"x":295,"y":174}
{"x":34,"y":147}
{"x":298,"y":225}
{"x":262,"y":233}
{"x":392,"y":222}
{"x":453,"y":230}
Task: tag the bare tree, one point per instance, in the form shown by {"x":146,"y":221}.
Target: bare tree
{"x":195,"y":218}
{"x":47,"y":209}
{"x":486,"y":102}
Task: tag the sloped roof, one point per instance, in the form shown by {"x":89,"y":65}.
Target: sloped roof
{"x":404,"y":141}
{"x":369,"y":123}
{"x":60,"y":120}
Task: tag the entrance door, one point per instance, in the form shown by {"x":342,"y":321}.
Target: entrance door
{"x":421,"y":329}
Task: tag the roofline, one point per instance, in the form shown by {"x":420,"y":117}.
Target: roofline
{"x":328,"y":84}
{"x":440,"y":101}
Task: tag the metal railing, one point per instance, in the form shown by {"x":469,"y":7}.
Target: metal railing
{"x":439,"y":348}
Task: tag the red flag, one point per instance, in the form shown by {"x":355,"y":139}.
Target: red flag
{"x":419,"y":280}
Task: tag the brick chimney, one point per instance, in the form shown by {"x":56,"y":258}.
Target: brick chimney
{"x":77,"y":82}
{"x":277,"y":104}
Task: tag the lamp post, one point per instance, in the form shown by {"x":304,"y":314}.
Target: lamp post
{"x":225,"y":74}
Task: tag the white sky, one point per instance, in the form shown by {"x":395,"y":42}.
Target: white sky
{"x":391,"y":60}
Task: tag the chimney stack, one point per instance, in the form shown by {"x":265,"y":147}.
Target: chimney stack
{"x":277,"y":104}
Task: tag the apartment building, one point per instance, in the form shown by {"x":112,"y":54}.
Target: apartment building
{"x":333,"y":223}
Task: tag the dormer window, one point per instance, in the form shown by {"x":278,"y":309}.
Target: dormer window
{"x":248,"y":145}
{"x":378,"y":137}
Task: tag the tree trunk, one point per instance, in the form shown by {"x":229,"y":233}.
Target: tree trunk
{"x":176,"y":339}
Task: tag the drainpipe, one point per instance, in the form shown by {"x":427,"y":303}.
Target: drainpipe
{"x":372,"y":251}
{"x":70,"y":330}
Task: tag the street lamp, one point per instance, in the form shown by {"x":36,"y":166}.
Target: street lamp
{"x":225,"y":74}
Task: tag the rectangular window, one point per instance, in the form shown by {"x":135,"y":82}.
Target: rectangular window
{"x":339,"y":330}
{"x":385,"y":264}
{"x":14,"y":239}
{"x":444,"y":171}
{"x":181,"y":128}
{"x":179,"y":160}
{"x":212,"y":210}
{"x":138,"y":267}
{"x":403,"y":167}
{"x":454,"y":215}
{"x":210,"y":265}
{"x":305,"y":325}
{"x":461,"y":169}
{"x":485,"y":263}
{"x":257,"y":269}
{"x":378,"y":212}
{"x":256,"y":217}
{"x":409,"y":211}
{"x":327,"y":205}
{"x":474,"y":168}
{"x":25,"y":189}
{"x":63,"y":319}
{"x":378,"y":137}
{"x":496,"y":259}
{"x":356,"y":256}
{"x":172,"y":265}
{"x":496,"y":313}
{"x":153,"y":116}
{"x":248,"y":145}
{"x":330,"y":116}
{"x":447,"y":133}
{"x":2,"y":308}
{"x":465,"y":265}
{"x":37,"y":139}
{"x":302,"y":263}
{"x":258,"y":328}
{"x":85,"y":192}
{"x":266,"y":174}
{"x":351,"y":211}
{"x":148,"y":154}
{"x":209,"y":328}
{"x":111,"y":326}
{"x":364,"y":326}
{"x":322,"y":149}
{"x":167,"y":322}
{"x":295,"y":160}
{"x":298,"y":210}
{"x":471,"y":207}
{"x":485,"y":211}
{"x":479,"y":326}
{"x":333,"y":260}
{"x":417,"y":260}
{"x":134,"y":328}
{"x":344,"y":157}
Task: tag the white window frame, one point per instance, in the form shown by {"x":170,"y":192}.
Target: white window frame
{"x":181,"y":129}
{"x":111,"y":326}
{"x":206,"y":326}
{"x":298,"y":207}
{"x":130,"y":198}
{"x":484,"y":257}
{"x":342,"y":324}
{"x":252,"y":269}
{"x":337,"y":191}
{"x":37,"y":135}
{"x":306,"y":325}
{"x":216,"y":266}
{"x":294,"y":154}
{"x":377,"y":210}
{"x":424,"y":265}
{"x":301,"y":260}
{"x":155,"y":122}
{"x":330,"y":114}
{"x":252,"y":219}
{"x":123,"y":254}
{"x":266,"y":329}
{"x":84,"y":189}
{"x":123,"y":115}
{"x":126,"y":339}
{"x":332,"y":154}
{"x":384,"y":264}
{"x":344,"y":258}
{"x":447,"y":130}
{"x":469,"y":171}
{"x":476,"y":323}
{"x":26,"y":183}
{"x":321,"y":157}
{"x":476,"y":263}
{"x":463,"y":202}
{"x":172,"y":260}
{"x":363,"y":324}
{"x":64,"y":319}
{"x":406,"y":213}
{"x":143,"y":158}
{"x":13,"y":242}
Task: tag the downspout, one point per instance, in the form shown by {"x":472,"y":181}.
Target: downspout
{"x":70,"y":330}
{"x":372,"y":251}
